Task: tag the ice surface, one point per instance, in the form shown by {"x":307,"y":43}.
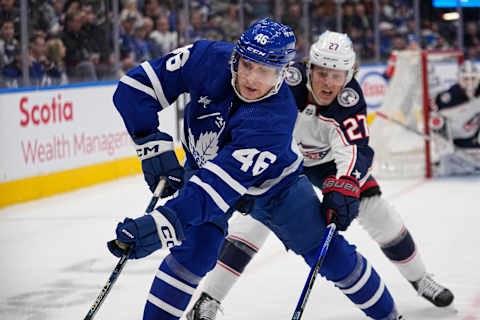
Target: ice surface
{"x":54,"y":259}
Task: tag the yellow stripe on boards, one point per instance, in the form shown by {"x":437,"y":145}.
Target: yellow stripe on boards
{"x":46,"y":185}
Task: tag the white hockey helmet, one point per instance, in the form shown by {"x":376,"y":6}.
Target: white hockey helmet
{"x":468,"y":77}
{"x":332,"y":50}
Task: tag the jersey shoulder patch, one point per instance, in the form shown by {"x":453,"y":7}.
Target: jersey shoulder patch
{"x":348,"y":97}
{"x":293,"y":76}
{"x":446,"y":97}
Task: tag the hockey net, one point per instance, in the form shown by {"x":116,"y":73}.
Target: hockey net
{"x":401,"y":138}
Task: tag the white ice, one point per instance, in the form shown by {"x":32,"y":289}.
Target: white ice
{"x":54,"y":259}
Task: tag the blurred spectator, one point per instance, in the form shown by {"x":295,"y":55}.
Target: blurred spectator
{"x":78,"y":58}
{"x":230,"y":23}
{"x":362,"y":20}
{"x":55,"y":68}
{"x":292,"y":18}
{"x":349,"y":19}
{"x":12,"y":74}
{"x":472,"y":35}
{"x":213,"y":31}
{"x":141,"y":47}
{"x":197,"y":27}
{"x":37,"y":49}
{"x":162,"y":37}
{"x":256,"y":9}
{"x":130,"y":11}
{"x":152,"y":9}
{"x":8,"y":11}
{"x":322,"y":20}
{"x":8,"y":43}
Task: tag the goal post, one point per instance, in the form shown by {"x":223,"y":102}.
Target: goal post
{"x":402,"y":138}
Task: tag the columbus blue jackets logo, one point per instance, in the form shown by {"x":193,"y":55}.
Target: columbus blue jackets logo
{"x":309,"y":110}
{"x":446,"y":98}
{"x":293,"y":76}
{"x":348,"y":97}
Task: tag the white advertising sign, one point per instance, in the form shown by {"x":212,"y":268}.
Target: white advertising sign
{"x":46,"y":131}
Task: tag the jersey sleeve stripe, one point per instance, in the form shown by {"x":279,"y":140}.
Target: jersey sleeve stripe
{"x":354,"y":159}
{"x":267,"y":184}
{"x":174,"y":282}
{"x":164,"y":306}
{"x":157,"y":87}
{"x":217,"y":199}
{"x":138,"y":85}
{"x":222,"y":174}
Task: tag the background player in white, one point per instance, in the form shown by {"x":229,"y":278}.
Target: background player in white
{"x":332,"y":134}
{"x":238,"y":140}
{"x":456,"y":118}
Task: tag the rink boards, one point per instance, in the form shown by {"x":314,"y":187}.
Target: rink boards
{"x":62,"y":138}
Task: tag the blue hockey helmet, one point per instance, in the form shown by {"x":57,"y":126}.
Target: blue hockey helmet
{"x":268,"y":43}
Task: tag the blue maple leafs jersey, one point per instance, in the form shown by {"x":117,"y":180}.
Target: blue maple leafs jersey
{"x":337,"y":133}
{"x":238,"y":148}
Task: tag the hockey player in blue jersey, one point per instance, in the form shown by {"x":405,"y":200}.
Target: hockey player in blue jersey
{"x":239,"y":148}
{"x":332,"y":133}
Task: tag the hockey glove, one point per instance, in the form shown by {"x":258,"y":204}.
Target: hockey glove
{"x":159,"y":160}
{"x":341,"y":200}
{"x":146,"y":234}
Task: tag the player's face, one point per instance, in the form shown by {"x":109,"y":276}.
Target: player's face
{"x":327,"y":83}
{"x":469,"y":84}
{"x":255,"y":80}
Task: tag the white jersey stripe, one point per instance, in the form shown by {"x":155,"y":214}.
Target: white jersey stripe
{"x":375,"y":297}
{"x":354,"y":160}
{"x":212,"y":193}
{"x":174,"y":282}
{"x":361,"y":282}
{"x":222,"y":174}
{"x":156,"y":84}
{"x":267,"y":184}
{"x":164,"y":306}
{"x":138,"y":85}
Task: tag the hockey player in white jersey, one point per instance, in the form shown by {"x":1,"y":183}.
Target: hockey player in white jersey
{"x":332,"y":134}
{"x":455,"y":122}
{"x":238,"y":140}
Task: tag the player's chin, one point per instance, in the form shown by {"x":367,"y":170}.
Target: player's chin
{"x":250,"y":93}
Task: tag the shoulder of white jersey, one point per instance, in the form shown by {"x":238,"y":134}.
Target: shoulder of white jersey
{"x":295,"y":74}
{"x":351,"y":95}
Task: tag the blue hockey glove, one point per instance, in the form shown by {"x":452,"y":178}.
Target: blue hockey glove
{"x":159,"y":160}
{"x":341,"y":200}
{"x":146,"y":234}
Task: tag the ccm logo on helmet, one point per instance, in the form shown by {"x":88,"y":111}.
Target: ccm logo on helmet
{"x":256,"y":51}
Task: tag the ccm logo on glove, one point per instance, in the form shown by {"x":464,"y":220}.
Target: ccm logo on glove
{"x":153,"y":148}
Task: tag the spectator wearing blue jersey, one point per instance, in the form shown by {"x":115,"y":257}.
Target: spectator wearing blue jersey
{"x":240,"y":155}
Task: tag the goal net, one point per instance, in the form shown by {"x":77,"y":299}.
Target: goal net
{"x":400,"y":131}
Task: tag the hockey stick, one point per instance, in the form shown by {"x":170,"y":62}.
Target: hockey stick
{"x":401,"y":124}
{"x":123,"y":260}
{"x":307,"y":288}
{"x":463,"y":154}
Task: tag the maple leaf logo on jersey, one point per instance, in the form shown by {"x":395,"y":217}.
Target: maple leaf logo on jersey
{"x":206,"y":146}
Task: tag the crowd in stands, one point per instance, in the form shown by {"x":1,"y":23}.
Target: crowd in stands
{"x":72,"y":40}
